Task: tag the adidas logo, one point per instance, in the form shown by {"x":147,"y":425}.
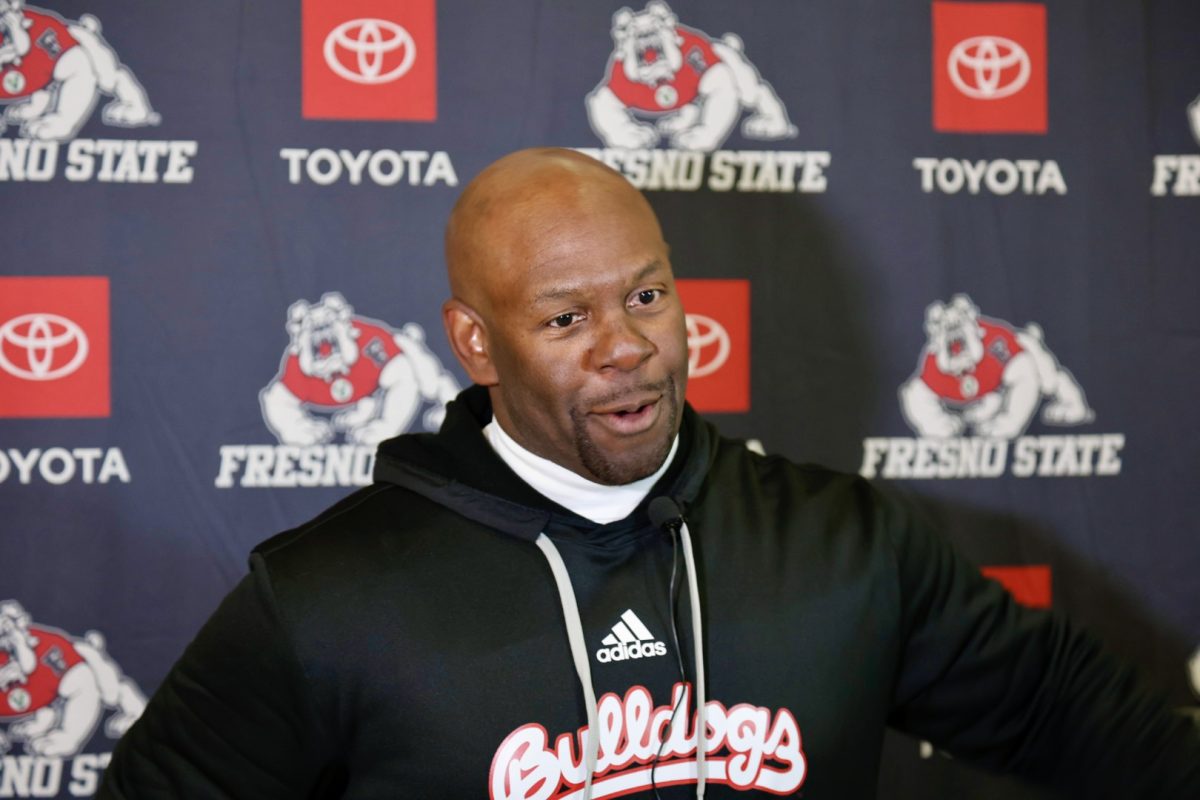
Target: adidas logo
{"x":629,"y":639}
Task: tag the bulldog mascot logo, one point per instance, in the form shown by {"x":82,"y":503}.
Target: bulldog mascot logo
{"x":54,"y":687}
{"x":350,"y":375}
{"x":693,"y":87}
{"x":52,"y":72}
{"x":986,"y":375}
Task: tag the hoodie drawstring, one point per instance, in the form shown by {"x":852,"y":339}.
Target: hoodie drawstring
{"x":579,"y":653}
{"x":582,"y":659}
{"x":689,"y":561}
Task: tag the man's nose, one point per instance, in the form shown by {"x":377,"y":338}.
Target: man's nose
{"x":622,"y":345}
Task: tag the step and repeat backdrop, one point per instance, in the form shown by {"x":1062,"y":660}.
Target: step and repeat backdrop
{"x":951,"y":246}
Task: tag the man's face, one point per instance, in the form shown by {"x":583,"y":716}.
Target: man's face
{"x":588,"y":339}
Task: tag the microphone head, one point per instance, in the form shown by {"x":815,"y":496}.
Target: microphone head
{"x":664,"y":512}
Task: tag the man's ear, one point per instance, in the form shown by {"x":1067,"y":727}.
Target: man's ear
{"x":469,"y":340}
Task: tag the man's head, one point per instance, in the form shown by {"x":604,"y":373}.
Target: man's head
{"x":564,"y":306}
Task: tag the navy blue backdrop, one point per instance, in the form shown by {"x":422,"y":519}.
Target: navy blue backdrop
{"x":949,"y":245}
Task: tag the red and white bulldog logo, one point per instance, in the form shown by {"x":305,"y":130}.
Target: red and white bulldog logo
{"x":350,"y":375}
{"x":986,"y":375}
{"x":694,"y":87}
{"x":55,"y":687}
{"x":53,"y":71}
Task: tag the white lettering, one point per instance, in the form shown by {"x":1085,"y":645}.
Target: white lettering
{"x":113,"y":467}
{"x":764,"y":750}
{"x":63,"y":473}
{"x":925,"y":166}
{"x":812,"y":177}
{"x":58,"y":465}
{"x":1186,"y":169}
{"x":1025,"y":457}
{"x":722,"y":171}
{"x":80,"y":164}
{"x":30,"y":776}
{"x":286,"y":466}
{"x":332,"y":170}
{"x":1109,"y":462}
{"x":1029,"y":170}
{"x":413,"y":160}
{"x":386,"y":167}
{"x":1068,"y":456}
{"x":108,"y":150}
{"x":85,"y":773}
{"x":1051,"y":178}
{"x":128,"y":169}
{"x":355,"y":164}
{"x":1189,"y":177}
{"x":178,"y":169}
{"x":325,"y":167}
{"x":1000,"y":176}
{"x":1048,"y":456}
{"x":27,"y":160}
{"x":949,"y":175}
{"x":874,"y":448}
{"x":24,"y":463}
{"x":129,"y":160}
{"x":232,"y":457}
{"x":118,"y":160}
{"x":284,"y":475}
{"x":152,"y":151}
{"x":973,"y":172}
{"x":294,"y":156}
{"x":441,"y":170}
{"x":755,"y":177}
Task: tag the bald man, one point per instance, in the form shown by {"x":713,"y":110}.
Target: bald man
{"x":578,"y":589}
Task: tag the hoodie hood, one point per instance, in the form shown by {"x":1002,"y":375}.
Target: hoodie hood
{"x":457,"y":468}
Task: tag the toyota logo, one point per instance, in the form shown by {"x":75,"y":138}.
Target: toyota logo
{"x":49,"y":346}
{"x":708,"y":345}
{"x":988,"y":67}
{"x":359,"y":49}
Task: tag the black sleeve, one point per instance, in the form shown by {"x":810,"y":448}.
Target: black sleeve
{"x":232,"y":719}
{"x":1022,"y":691}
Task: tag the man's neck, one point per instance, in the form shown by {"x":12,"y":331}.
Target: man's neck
{"x":595,"y":501}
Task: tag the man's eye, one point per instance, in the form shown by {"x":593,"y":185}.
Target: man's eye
{"x":647,"y":296}
{"x":562,"y":321}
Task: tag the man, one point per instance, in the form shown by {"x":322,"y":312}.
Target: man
{"x":514,"y":610}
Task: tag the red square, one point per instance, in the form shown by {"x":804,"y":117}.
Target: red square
{"x":54,"y":347}
{"x":718,"y":322}
{"x":369,"y":59}
{"x":989,"y":67}
{"x":1029,"y":586}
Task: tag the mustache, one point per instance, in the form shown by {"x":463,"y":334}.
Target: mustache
{"x":665,"y":387}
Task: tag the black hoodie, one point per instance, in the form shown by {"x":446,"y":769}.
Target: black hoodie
{"x":412,"y":642}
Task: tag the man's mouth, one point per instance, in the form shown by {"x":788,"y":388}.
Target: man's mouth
{"x":630,"y":416}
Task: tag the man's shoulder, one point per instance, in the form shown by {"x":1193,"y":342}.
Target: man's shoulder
{"x":353,"y":532}
{"x":331,"y":524}
{"x":775,"y":471}
{"x":803,"y":493}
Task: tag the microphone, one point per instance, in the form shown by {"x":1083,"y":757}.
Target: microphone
{"x":665,"y":513}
